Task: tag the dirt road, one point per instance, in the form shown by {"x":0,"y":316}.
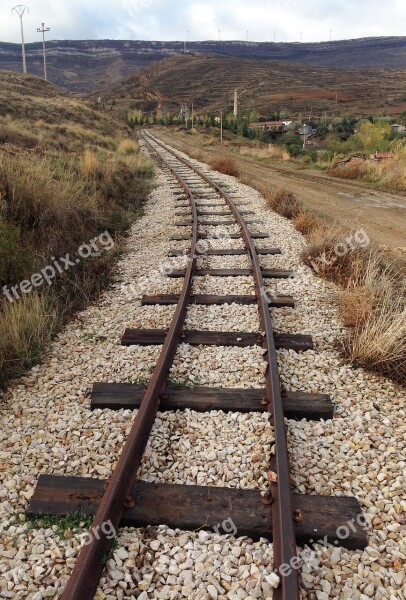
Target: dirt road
{"x":350,"y":203}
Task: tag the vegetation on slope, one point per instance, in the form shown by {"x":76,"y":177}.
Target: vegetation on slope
{"x":264,"y":86}
{"x":71,"y":184}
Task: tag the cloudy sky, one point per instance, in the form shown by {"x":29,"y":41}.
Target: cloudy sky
{"x":172,"y":19}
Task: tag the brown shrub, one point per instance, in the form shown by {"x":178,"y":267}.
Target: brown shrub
{"x":354,"y":305}
{"x":226,"y":166}
{"x":354,"y":172}
{"x":372,"y":303}
{"x":284,"y":203}
{"x":374,"y":306}
{"x":322,"y":256}
{"x":306,"y":222}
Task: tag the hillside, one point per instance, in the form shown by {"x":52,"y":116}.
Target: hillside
{"x":85,"y":66}
{"x":68,"y":175}
{"x":264,"y":86}
{"x":33,"y":112}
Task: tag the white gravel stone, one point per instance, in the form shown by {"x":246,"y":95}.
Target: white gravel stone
{"x":47,"y":427}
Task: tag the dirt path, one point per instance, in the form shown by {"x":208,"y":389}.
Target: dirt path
{"x":381,"y":213}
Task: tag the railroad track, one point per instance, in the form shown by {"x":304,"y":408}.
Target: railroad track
{"x":285,"y":518}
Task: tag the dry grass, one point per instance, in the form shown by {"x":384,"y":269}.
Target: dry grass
{"x":25,"y":328}
{"x":90,"y":164}
{"x":271,"y":152}
{"x":306,"y":223}
{"x":372,"y":302}
{"x":356,"y":172}
{"x":127,"y":147}
{"x":321,"y":254}
{"x":374,"y":306}
{"x":284,"y":203}
{"x":62,"y":183}
{"x":225,"y":165}
{"x":390,"y":172}
{"x":51,"y":205}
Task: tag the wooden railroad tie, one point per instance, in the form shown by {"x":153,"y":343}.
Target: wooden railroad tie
{"x":191,"y":508}
{"x":156,"y":337}
{"x":266,"y":273}
{"x":297,"y":405}
{"x":232,"y":236}
{"x":227,"y":252}
{"x":209,"y":299}
{"x":214,"y":223}
{"x":182,"y":213}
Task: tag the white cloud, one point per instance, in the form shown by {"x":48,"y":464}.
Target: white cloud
{"x":169,"y":20}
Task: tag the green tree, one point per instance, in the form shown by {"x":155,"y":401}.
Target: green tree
{"x":374,"y":136}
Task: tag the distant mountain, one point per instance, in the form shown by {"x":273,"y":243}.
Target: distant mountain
{"x":264,"y":86}
{"x":86,"y":66}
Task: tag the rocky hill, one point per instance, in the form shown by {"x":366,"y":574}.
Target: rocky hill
{"x":265,"y":86}
{"x":85,"y":66}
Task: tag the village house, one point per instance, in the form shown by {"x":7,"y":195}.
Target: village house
{"x":271,"y":126}
{"x":399,"y":129}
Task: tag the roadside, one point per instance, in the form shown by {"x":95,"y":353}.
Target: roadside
{"x":381,"y":213}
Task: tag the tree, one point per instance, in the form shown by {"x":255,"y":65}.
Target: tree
{"x":374,"y":136}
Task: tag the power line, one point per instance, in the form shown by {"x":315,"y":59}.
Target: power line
{"x":43,"y":31}
{"x":20,"y":10}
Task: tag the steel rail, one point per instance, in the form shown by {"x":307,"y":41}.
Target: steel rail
{"x":85,"y":577}
{"x":284,"y":536}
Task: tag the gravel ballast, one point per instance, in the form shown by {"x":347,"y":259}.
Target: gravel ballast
{"x":47,"y":427}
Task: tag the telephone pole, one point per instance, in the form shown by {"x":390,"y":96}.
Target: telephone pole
{"x":43,"y":31}
{"x":221,"y":126}
{"x":20,"y":10}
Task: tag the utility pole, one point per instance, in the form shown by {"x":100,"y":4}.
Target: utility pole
{"x":236,"y":103}
{"x":221,"y":126}
{"x":20,"y":10}
{"x":43,"y":31}
{"x":193,"y":115}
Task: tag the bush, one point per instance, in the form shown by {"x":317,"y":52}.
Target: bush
{"x":374,"y":306}
{"x":226,"y":166}
{"x":321,"y":254}
{"x":356,"y":172}
{"x":284,"y":203}
{"x":306,"y":222}
{"x":372,"y":302}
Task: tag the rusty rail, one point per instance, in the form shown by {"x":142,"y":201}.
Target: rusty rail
{"x":284,"y":538}
{"x":88,"y":569}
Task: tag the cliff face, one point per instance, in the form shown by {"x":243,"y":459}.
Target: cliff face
{"x":86,"y":66}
